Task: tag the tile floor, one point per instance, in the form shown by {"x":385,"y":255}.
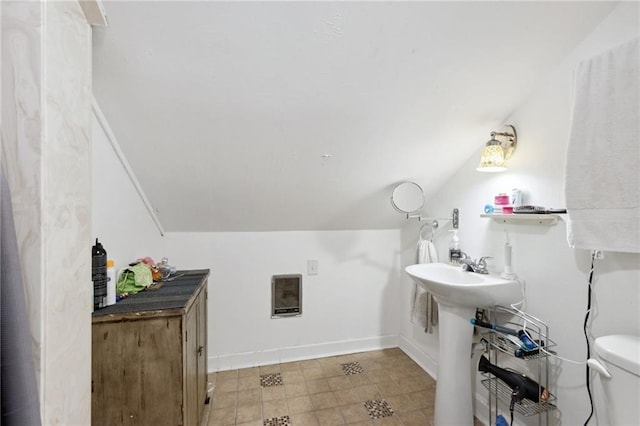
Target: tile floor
{"x":370,"y":388}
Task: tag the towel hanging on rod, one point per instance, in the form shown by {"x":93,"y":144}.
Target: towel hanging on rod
{"x":603,"y":202}
{"x":425,"y":308}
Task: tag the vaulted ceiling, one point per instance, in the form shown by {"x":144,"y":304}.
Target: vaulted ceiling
{"x":263,"y":116}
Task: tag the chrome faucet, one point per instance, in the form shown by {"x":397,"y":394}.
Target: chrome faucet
{"x":479,"y":266}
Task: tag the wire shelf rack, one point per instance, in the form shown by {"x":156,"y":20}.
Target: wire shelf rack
{"x":526,"y":407}
{"x":505,"y":345}
{"x":534,"y":362}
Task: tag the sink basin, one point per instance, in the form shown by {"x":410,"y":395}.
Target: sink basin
{"x":450,"y":285}
{"x":458,"y":294}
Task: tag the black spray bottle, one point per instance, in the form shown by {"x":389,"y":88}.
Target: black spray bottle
{"x":99,"y":275}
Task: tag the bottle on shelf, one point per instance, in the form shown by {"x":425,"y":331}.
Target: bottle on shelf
{"x":111,"y":283}
{"x":99,"y":275}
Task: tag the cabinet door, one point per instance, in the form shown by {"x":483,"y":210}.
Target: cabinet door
{"x":202,"y":349}
{"x":191,"y":405}
{"x":137,"y":372}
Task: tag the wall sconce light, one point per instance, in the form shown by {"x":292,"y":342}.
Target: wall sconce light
{"x":498,"y":149}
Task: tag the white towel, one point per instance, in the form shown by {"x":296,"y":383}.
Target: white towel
{"x":602,"y":179}
{"x":427,"y":252}
{"x":425,"y":308}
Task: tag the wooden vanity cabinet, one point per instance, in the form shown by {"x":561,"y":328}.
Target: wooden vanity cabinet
{"x":149,"y":356}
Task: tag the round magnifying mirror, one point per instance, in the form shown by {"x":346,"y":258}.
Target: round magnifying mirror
{"x":407,"y":197}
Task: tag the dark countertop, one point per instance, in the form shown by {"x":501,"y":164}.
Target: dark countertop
{"x":173,"y":294}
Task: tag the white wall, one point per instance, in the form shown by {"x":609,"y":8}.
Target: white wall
{"x":555,"y":275}
{"x":120,"y":218}
{"x":350,"y":306}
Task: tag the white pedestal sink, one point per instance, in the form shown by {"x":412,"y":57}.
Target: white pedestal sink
{"x":458,"y":294}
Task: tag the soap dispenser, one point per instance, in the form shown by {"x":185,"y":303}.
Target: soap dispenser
{"x":455,"y":252}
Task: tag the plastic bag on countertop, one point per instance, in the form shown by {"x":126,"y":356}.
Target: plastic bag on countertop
{"x":134,"y":279}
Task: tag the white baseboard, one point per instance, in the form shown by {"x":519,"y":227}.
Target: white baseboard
{"x":421,"y":358}
{"x":298,"y":353}
{"x":430,"y":365}
{"x":481,"y":408}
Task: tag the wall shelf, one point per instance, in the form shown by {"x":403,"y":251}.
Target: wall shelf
{"x":525,"y":219}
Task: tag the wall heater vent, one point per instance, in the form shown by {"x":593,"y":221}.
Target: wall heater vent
{"x":286,"y":296}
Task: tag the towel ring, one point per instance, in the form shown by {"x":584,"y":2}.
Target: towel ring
{"x":434,"y":225}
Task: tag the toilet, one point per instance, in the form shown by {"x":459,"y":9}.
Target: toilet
{"x":620,"y":355}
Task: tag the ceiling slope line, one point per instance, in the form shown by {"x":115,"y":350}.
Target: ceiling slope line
{"x":102,"y":120}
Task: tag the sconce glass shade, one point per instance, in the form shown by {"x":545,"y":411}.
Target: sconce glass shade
{"x":497,"y":151}
{"x":492,"y":159}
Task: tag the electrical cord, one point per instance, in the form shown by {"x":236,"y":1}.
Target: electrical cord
{"x":516,"y":396}
{"x":511,"y":406}
{"x":586,"y":335}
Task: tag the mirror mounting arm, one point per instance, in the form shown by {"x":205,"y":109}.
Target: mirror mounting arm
{"x":408,"y":198}
{"x":455,"y":218}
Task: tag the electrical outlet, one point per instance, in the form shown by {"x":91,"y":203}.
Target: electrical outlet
{"x":598,"y":254}
{"x":312,"y":267}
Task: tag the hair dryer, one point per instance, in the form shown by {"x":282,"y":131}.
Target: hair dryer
{"x":521,"y":385}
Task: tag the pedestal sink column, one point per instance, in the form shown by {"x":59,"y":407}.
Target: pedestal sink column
{"x":458,"y":293}
{"x":453,"y":390}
